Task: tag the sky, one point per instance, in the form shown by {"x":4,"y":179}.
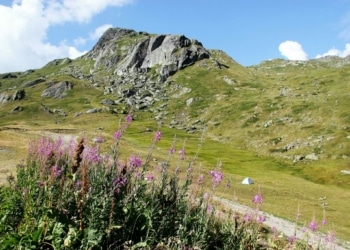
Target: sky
{"x":35,"y":32}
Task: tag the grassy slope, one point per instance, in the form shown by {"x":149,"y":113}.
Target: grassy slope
{"x":234,"y":103}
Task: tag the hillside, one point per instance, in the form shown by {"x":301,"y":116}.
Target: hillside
{"x":281,"y":119}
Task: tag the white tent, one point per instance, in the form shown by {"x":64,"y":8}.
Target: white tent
{"x":247,"y":181}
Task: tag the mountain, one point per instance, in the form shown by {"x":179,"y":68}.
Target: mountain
{"x":295,"y":110}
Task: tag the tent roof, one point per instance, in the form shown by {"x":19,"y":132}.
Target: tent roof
{"x":247,"y":180}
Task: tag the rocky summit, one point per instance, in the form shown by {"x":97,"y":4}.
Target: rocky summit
{"x":127,"y":51}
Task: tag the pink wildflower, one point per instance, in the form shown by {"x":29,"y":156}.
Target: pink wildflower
{"x":292,"y":239}
{"x":216,"y":177}
{"x":330,"y":237}
{"x":172,"y":150}
{"x":134,"y":161}
{"x":261,"y":218}
{"x":120,"y":182}
{"x":313,"y":225}
{"x":247,"y":217}
{"x":56,"y":170}
{"x":157,"y":136}
{"x":78,"y":184}
{"x":200,"y":178}
{"x":98,"y":139}
{"x":91,"y":154}
{"x":182,"y":154}
{"x":128,"y":119}
{"x":149,"y":177}
{"x":117,"y":135}
{"x":258,"y":199}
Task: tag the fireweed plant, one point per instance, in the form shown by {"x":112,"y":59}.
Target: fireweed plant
{"x":72,"y":196}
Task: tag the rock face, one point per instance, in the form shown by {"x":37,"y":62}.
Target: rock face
{"x":15,"y":96}
{"x":57,"y":90}
{"x":139,"y":65}
{"x":168,"y":53}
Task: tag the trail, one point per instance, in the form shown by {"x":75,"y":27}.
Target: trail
{"x":286,"y":227}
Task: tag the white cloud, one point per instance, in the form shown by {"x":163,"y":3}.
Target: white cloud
{"x":78,"y":10}
{"x":79,"y":41}
{"x":336,"y":52}
{"x":25,"y":24}
{"x":98,"y":32}
{"x":292,"y":50}
{"x":74,"y":53}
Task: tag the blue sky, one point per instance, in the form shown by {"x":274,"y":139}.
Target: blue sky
{"x":34,"y":32}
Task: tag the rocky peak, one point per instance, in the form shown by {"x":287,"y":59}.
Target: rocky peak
{"x":126,"y":51}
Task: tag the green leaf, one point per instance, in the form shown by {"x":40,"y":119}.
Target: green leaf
{"x":37,"y":234}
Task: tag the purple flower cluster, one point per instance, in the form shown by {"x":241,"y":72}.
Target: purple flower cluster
{"x":172,"y":150}
{"x":313,"y":225}
{"x":260,"y":218}
{"x":120,"y":182}
{"x":200,"y":179}
{"x":56,"y":170}
{"x":91,"y":155}
{"x":258,"y":199}
{"x":78,"y":184}
{"x":216,"y":177}
{"x":128,"y":119}
{"x":134,"y":162}
{"x":330,"y":237}
{"x":292,"y":239}
{"x":117,"y":135}
{"x":157,"y":136}
{"x":247,"y":217}
{"x":149,"y":177}
{"x":99,"y":139}
{"x":182,"y":154}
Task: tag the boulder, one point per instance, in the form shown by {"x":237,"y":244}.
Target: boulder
{"x":18,"y":95}
{"x":4,"y":97}
{"x":312,"y":157}
{"x":34,"y":82}
{"x":57,"y":90}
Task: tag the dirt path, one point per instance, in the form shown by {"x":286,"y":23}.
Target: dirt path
{"x":286,"y":227}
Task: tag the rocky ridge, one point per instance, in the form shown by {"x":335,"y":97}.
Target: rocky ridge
{"x":137,"y":66}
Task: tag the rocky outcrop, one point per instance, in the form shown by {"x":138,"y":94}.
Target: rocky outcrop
{"x":33,"y":82}
{"x":15,"y":96}
{"x":57,"y":90}
{"x":18,"y":95}
{"x":4,"y":97}
{"x":168,"y":53}
{"x":140,"y":65}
